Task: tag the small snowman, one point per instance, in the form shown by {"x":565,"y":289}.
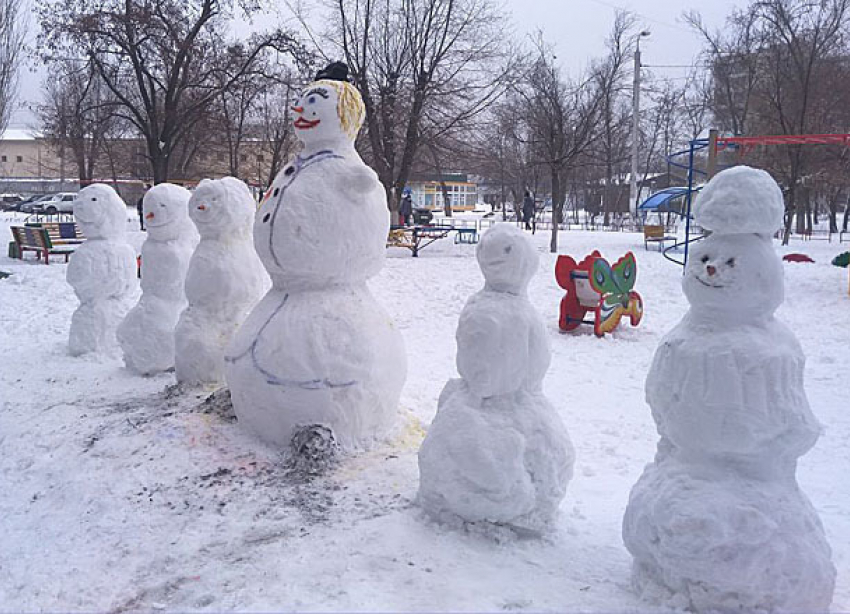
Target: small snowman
{"x":102,"y":270}
{"x":497,"y":451}
{"x":147,"y":333}
{"x":224,"y":281}
{"x":318,"y":364}
{"x":718,"y":522}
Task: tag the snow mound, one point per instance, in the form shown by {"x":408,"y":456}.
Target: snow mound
{"x":740,"y":200}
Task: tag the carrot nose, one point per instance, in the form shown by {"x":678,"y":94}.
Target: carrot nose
{"x":711,"y":270}
{"x":298,"y":109}
{"x":149,"y":216}
{"x":202,"y":207}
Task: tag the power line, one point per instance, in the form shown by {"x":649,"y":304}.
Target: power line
{"x":675,"y":65}
{"x":650,"y":19}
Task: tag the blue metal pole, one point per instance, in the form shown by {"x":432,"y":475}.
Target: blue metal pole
{"x":688,"y":207}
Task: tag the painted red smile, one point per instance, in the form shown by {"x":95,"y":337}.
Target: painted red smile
{"x":305,"y":124}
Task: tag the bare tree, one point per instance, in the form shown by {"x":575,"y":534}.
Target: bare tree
{"x":774,"y":72}
{"x":732,"y":53}
{"x":275,"y":119}
{"x":160,"y":60}
{"x":78,"y":115}
{"x":614,"y":112}
{"x":562,"y":120}
{"x":11,"y":53}
{"x":422,"y":66}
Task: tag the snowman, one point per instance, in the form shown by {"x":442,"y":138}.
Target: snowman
{"x":497,"y":451}
{"x":147,"y":333}
{"x":224,"y":281}
{"x":717,"y":522}
{"x":102,"y":271}
{"x":318,"y":361}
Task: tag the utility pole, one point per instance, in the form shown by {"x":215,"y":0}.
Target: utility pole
{"x":633,"y":185}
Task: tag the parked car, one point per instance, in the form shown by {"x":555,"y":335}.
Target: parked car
{"x":28,"y":205}
{"x":10,"y":202}
{"x":62,"y":202}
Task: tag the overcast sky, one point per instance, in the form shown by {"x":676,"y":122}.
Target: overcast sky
{"x":577,"y":29}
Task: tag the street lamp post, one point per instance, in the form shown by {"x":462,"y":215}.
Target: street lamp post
{"x":633,"y":185}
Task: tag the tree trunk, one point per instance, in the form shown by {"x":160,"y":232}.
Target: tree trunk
{"x":557,"y":208}
{"x":790,"y":204}
{"x":846,"y":216}
{"x":803,"y":211}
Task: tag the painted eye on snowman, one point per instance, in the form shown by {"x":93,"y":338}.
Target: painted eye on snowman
{"x":730,"y":263}
{"x":311,"y":99}
{"x":266,"y":217}
{"x":94,"y":199}
{"x":704,"y":259}
{"x":276,"y":192}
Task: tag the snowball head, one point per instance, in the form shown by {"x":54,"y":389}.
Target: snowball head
{"x":222,"y":206}
{"x":740,"y":200}
{"x":507,"y":259}
{"x":735,"y":277}
{"x":328,"y":111}
{"x":100,"y":212}
{"x":164,"y":206}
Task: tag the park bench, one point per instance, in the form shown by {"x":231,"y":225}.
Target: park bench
{"x":62,"y":233}
{"x":466,"y":235}
{"x":37,"y":239}
{"x":656,"y":234}
{"x":416,"y":238}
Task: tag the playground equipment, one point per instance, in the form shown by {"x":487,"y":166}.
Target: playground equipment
{"x":594,"y":285}
{"x":743,"y":144}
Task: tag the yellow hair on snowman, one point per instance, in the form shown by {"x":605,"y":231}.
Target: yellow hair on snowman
{"x":349,"y":107}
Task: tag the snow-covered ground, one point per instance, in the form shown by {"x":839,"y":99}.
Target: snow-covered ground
{"x":120,"y":493}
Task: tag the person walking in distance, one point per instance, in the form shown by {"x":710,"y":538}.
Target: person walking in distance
{"x":139,"y":207}
{"x":405,"y":208}
{"x":528,"y":209}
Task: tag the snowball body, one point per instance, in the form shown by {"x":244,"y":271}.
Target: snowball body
{"x":224,"y":281}
{"x":147,"y":333}
{"x":318,"y":349}
{"x":717,"y":521}
{"x":102,"y":271}
{"x":497,"y":451}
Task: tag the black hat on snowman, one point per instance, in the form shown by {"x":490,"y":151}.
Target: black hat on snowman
{"x":335,"y":71}
{"x":740,"y":200}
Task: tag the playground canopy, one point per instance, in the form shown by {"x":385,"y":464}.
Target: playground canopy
{"x":668,"y":200}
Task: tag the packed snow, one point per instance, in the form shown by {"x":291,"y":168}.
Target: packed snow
{"x":224,"y":281}
{"x":319,"y":358}
{"x":102,"y":272}
{"x":124,"y":493}
{"x":718,"y":521}
{"x":497,"y":451}
{"x":147,"y":333}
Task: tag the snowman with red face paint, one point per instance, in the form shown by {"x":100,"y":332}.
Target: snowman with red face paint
{"x":318,"y":365}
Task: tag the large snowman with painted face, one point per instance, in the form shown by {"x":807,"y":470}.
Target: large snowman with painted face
{"x":497,"y":452}
{"x":102,"y":270}
{"x":147,"y":333}
{"x":717,"y":522}
{"x":319,"y":357}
